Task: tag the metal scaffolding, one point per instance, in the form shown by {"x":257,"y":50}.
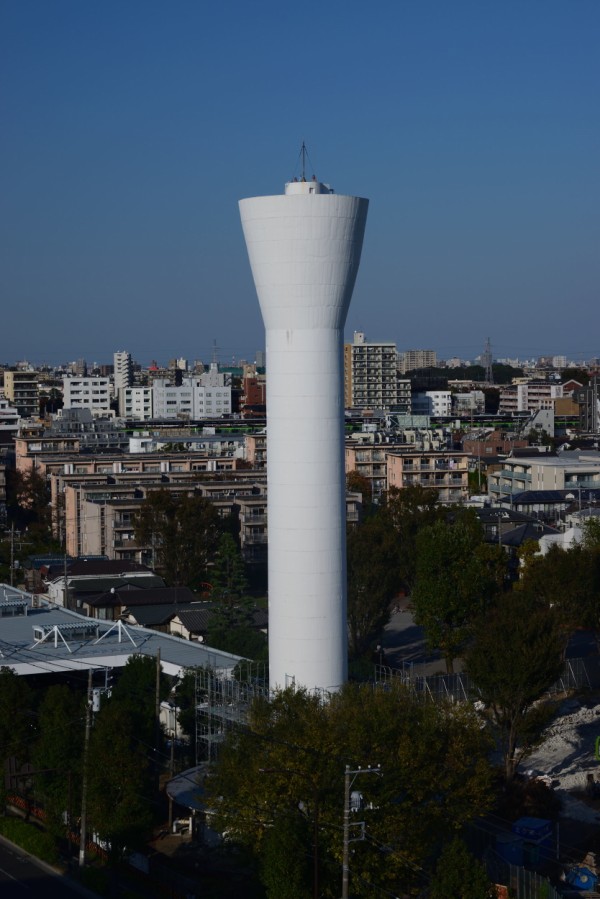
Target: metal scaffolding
{"x":223,"y":701}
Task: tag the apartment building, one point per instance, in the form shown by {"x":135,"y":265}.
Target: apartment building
{"x":435,"y":403}
{"x":9,"y":422}
{"x":445,"y":472}
{"x":123,"y":377}
{"x":87,"y":393}
{"x":571,"y":471}
{"x":95,"y":514}
{"x":529,"y":396}
{"x":136,"y":403}
{"x":411,"y":360}
{"x":369,"y":457}
{"x":370,"y":374}
{"x":193,"y":399}
{"x":21,"y":389}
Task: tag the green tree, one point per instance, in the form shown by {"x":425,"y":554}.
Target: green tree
{"x":58,"y":751}
{"x":120,"y":783}
{"x":135,"y":691}
{"x":372,"y":550}
{"x":227,"y":575}
{"x":17,"y":721}
{"x":358,"y":483}
{"x":285,"y":869}
{"x":407,"y":512}
{"x":459,"y":875}
{"x":515,"y":657}
{"x":457,"y":577}
{"x":575,"y":374}
{"x":28,"y":501}
{"x":182,"y":534}
{"x":435,"y":777}
{"x":232,"y":624}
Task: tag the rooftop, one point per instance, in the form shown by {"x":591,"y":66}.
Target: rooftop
{"x":112,"y":648}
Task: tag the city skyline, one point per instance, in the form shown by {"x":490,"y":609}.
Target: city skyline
{"x":131,"y":131}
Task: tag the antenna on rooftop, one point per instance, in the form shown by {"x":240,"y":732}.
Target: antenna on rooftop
{"x":215,"y":352}
{"x":303,"y":155}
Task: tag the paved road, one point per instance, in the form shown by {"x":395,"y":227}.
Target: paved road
{"x":404,"y":643}
{"x":22,"y":877}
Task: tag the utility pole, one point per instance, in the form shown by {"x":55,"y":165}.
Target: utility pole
{"x":157,"y":722}
{"x":66,"y":600}
{"x":12,"y":554}
{"x":84,"y":784}
{"x":348,"y":773}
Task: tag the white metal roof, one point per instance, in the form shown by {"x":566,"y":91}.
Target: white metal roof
{"x":20,"y":651}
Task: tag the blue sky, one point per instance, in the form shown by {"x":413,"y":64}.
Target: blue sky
{"x":130,"y":128}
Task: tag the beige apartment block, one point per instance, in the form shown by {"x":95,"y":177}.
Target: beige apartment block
{"x":21,"y":388}
{"x":445,"y":472}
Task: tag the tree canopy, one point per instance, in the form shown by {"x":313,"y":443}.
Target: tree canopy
{"x":457,"y":576}
{"x":435,"y":776}
{"x":181,"y":533}
{"x":515,"y":657}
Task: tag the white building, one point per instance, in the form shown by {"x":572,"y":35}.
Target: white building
{"x":137,"y":403}
{"x":192,"y":399}
{"x":9,"y":421}
{"x":432,"y":402}
{"x":87,"y":393}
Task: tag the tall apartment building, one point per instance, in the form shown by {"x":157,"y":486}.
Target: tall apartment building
{"x":123,"y":377}
{"x":410,"y":360}
{"x":370,"y":374}
{"x":21,"y":388}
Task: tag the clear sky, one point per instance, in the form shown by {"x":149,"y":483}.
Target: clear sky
{"x":130,"y":128}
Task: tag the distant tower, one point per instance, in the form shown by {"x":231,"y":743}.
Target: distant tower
{"x":304,"y":248}
{"x":123,"y":376}
{"x":486,"y":361}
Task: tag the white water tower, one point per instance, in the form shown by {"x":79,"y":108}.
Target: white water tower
{"x":304,"y":248}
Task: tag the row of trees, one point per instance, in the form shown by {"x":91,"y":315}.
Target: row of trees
{"x":43,"y":733}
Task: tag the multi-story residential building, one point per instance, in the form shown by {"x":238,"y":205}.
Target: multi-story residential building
{"x":588,"y":401}
{"x":468,"y":403}
{"x":404,"y":398}
{"x":435,"y":403}
{"x":204,"y":397}
{"x":9,"y":421}
{"x":370,"y":374}
{"x":368,"y":456}
{"x":87,"y":393}
{"x":256,"y":449}
{"x":123,"y":377}
{"x":136,"y":404}
{"x":410,"y":360}
{"x":445,"y":472}
{"x":21,"y":389}
{"x":529,"y":396}
{"x":575,"y":472}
